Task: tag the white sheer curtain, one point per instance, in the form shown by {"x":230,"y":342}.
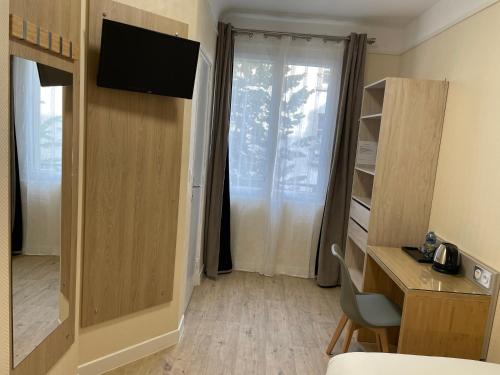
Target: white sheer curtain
{"x":284,"y":106}
{"x":38,"y":122}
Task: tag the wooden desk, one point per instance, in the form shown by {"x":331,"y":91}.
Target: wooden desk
{"x":442,"y":315}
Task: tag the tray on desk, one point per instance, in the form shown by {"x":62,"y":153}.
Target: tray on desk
{"x":416,"y":254}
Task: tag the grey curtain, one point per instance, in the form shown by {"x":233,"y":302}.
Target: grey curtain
{"x":216,"y":168}
{"x":336,"y":213}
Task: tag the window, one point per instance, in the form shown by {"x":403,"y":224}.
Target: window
{"x":284,"y":101}
{"x":250,"y":123}
{"x":48,"y":144}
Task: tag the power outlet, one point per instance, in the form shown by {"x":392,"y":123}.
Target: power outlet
{"x":482,"y":276}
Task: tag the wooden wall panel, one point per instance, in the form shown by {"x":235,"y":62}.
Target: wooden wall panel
{"x":66,"y":191}
{"x":58,"y":16}
{"x":133,"y":159}
{"x":51,"y":349}
{"x":61,"y":17}
{"x":410,"y":135}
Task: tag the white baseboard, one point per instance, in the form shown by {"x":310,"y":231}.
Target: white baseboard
{"x":132,"y":353}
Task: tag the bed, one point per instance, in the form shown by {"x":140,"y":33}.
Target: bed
{"x":400,"y":364}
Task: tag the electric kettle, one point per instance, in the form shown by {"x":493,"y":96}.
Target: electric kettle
{"x":447,"y":259}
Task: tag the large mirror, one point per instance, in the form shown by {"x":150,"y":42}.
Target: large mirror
{"x":38,"y":118}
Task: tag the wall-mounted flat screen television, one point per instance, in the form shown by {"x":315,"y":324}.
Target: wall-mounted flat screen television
{"x":137,"y":59}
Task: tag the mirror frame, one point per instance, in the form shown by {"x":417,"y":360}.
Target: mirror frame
{"x":54,"y":345}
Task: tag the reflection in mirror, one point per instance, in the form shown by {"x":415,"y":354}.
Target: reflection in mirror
{"x":38,"y":305}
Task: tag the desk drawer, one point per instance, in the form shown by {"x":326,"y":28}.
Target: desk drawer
{"x":357,"y":234}
{"x":360,"y":214}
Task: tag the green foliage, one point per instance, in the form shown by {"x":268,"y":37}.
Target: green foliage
{"x":50,"y":138}
{"x":254,"y":127}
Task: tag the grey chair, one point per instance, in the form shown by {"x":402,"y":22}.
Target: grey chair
{"x":363,"y":310}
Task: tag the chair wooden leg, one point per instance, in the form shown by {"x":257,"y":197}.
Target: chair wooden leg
{"x":351,"y":327}
{"x":379,"y":343}
{"x":384,"y":340}
{"x":336,"y":334}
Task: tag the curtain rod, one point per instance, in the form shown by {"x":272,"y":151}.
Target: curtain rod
{"x":296,"y":35}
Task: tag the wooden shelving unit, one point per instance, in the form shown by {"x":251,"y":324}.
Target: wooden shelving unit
{"x":389,"y":174}
{"x":376,"y":85}
{"x":365,"y":201}
{"x":369,"y":169}
{"x":376,"y":116}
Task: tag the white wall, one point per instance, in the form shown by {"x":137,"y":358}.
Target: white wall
{"x":443,"y":15}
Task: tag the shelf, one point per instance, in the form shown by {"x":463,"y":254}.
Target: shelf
{"x":362,"y":185}
{"x":373,"y":103}
{"x":356,"y":277}
{"x":367,"y":151}
{"x":359,"y":237}
{"x":379,"y":85}
{"x":365,"y":201}
{"x":355,"y":260}
{"x":368,"y":169}
{"x":376,"y":116}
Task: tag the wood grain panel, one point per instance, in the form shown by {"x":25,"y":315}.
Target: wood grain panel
{"x":360,"y":214}
{"x":362,"y":185}
{"x":411,"y":275}
{"x":369,"y":130}
{"x":67,"y":191}
{"x":373,"y":101}
{"x":357,"y":234}
{"x":455,"y":324}
{"x":17,"y":48}
{"x":59,"y":16}
{"x":434,"y":321}
{"x":33,"y":34}
{"x":133,"y":157}
{"x":355,"y":259}
{"x":51,"y":349}
{"x":409,"y":141}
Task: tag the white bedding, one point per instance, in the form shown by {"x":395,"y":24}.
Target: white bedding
{"x":400,"y":364}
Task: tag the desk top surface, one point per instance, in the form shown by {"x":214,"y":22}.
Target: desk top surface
{"x":409,"y":274}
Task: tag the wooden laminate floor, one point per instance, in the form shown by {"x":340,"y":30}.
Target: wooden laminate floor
{"x":247,"y":324}
{"x":35,"y":301}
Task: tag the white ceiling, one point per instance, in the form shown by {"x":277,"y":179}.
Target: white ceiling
{"x":388,"y":12}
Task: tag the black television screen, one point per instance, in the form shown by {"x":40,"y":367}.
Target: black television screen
{"x":136,"y":59}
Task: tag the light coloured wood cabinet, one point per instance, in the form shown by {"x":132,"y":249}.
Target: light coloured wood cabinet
{"x":398,"y":146}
